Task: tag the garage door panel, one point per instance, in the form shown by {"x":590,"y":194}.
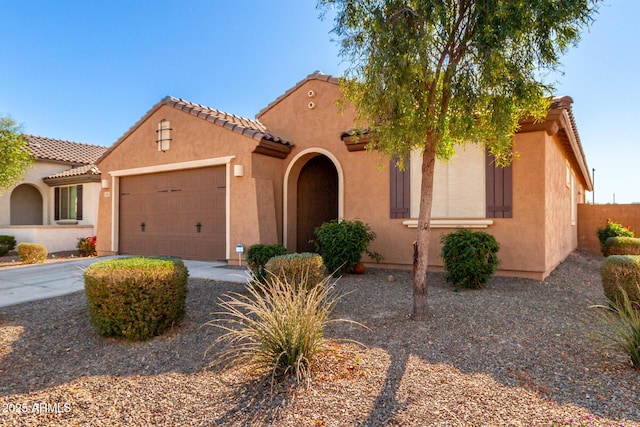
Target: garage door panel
{"x":171,"y":204}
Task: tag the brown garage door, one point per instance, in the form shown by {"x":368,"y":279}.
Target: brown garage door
{"x":159,"y":214}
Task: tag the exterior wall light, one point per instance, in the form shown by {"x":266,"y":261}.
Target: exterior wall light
{"x":163,"y":135}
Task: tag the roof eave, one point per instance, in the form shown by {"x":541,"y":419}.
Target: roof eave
{"x":71,"y":180}
{"x":560,"y":122}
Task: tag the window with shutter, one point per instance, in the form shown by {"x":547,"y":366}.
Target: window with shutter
{"x":68,"y":203}
{"x":400,"y":190}
{"x":498,"y":189}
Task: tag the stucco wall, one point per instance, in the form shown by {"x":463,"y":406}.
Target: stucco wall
{"x":192,"y":139}
{"x":262,"y":204}
{"x":561,"y":229}
{"x":592,"y":217}
{"x":366,"y":185}
{"x":55,"y":238}
{"x":33,"y":176}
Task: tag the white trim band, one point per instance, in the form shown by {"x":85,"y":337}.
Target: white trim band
{"x":452,"y":223}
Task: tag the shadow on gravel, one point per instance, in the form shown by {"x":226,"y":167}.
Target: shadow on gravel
{"x":57,"y":344}
{"x":541,"y":336}
{"x":522,"y":333}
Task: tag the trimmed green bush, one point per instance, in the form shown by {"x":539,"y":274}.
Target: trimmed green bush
{"x":621,"y":246}
{"x":612,"y":229}
{"x":621,"y":272}
{"x":305,"y":269}
{"x":136,"y":298}
{"x":342,"y":243}
{"x":7,"y":244}
{"x":470,"y":258}
{"x":259,"y":254}
{"x":32,"y":253}
{"x":275,"y":326}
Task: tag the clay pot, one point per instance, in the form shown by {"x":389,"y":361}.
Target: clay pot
{"x":359,"y":268}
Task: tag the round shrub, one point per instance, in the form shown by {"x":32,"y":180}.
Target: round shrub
{"x":303,"y":270}
{"x":342,"y":243}
{"x":259,"y":254}
{"x":32,"y":253}
{"x":469,"y":257}
{"x":7,"y":244}
{"x":621,"y":272}
{"x":136,"y":298}
{"x":612,"y":229}
{"x":621,"y":246}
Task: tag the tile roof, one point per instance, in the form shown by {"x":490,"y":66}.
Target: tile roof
{"x":64,"y":151}
{"x":247,"y":127}
{"x":78,"y":171}
{"x":316,"y":75}
{"x":251,"y":128}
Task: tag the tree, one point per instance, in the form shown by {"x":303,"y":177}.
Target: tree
{"x":15,"y":156}
{"x":430,"y":74}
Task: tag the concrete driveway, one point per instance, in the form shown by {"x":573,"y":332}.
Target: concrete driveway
{"x":41,"y":281}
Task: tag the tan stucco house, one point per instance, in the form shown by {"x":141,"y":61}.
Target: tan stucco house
{"x":191,"y":181}
{"x":56,"y":203}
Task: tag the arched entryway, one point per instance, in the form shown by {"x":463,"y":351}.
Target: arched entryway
{"x":26,"y":205}
{"x":317,"y":199}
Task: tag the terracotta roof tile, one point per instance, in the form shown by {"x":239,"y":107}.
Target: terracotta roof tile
{"x":64,"y":151}
{"x":78,"y":171}
{"x":229,"y":121}
{"x":247,"y":127}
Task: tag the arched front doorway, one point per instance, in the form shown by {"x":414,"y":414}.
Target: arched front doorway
{"x":317,"y":199}
{"x":26,"y":205}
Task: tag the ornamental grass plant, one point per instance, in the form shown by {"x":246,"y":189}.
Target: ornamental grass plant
{"x":622,"y":318}
{"x":276,"y":326}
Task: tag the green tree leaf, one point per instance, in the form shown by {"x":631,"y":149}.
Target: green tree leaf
{"x":430,"y":74}
{"x":15,"y":157}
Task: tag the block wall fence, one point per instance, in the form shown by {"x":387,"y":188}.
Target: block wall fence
{"x":592,"y":217}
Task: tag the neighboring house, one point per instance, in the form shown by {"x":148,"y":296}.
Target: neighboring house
{"x":191,"y":181}
{"x":56,"y":203}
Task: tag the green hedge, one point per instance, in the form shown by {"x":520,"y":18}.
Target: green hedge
{"x":612,"y":229}
{"x":621,"y":272}
{"x":136,"y":298}
{"x":259,"y":254}
{"x":32,"y":253}
{"x":305,"y":269}
{"x":342,"y":243}
{"x":469,"y":257}
{"x":7,"y":244}
{"x":621,"y":246}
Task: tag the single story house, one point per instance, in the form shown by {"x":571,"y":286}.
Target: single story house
{"x":56,"y":203}
{"x":193,"y":182}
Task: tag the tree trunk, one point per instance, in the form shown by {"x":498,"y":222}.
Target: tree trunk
{"x":421,"y":247}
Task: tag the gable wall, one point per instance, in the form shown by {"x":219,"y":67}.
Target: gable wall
{"x":192,"y":139}
{"x":366,"y":185}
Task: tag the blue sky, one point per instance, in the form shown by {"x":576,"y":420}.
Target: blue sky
{"x":87,"y":70}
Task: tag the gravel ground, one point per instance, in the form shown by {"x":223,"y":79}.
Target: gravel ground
{"x":518,"y":353}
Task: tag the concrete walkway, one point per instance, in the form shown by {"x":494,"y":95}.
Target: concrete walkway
{"x":36,"y":282}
